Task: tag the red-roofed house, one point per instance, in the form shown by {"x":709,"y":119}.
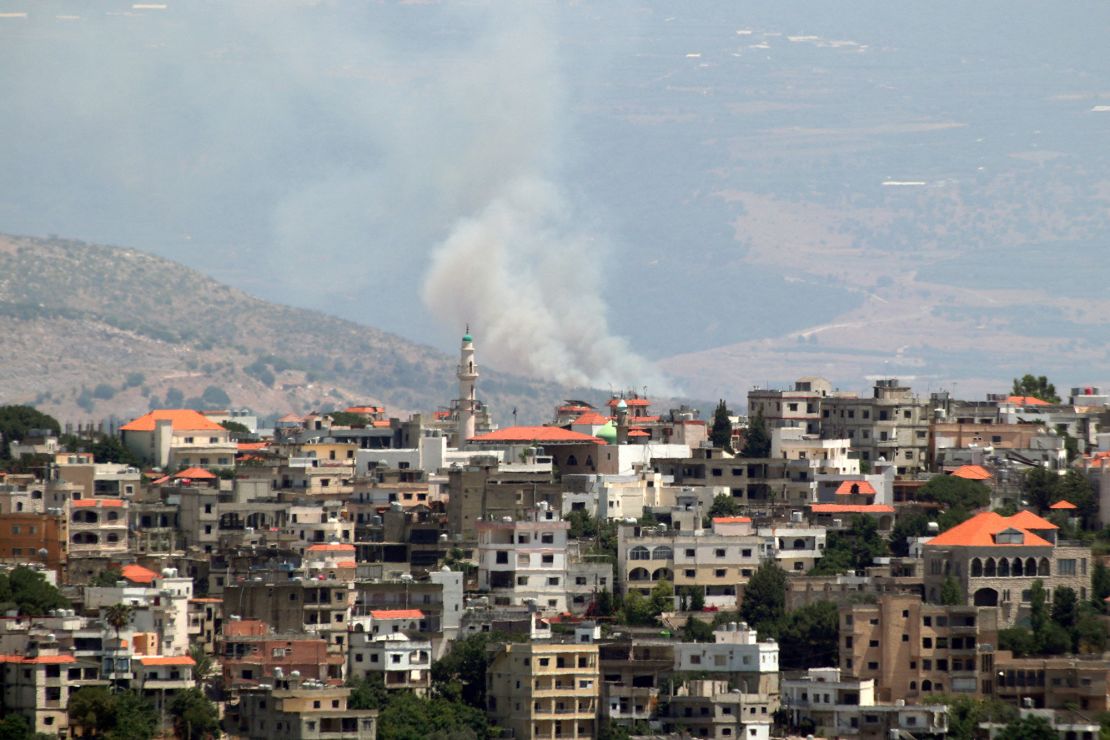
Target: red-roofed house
{"x":971,"y":472}
{"x":1063,"y":506}
{"x":137,"y":574}
{"x":159,"y":678}
{"x":179,"y":438}
{"x":829,"y":514}
{"x":995,"y":560}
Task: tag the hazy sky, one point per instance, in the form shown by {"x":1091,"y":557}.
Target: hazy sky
{"x":567,"y":176}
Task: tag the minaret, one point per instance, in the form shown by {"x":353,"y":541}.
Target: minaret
{"x":468,"y":379}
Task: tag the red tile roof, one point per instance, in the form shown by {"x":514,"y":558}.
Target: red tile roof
{"x":1027,"y":401}
{"x":591,"y":417}
{"x":979,"y":531}
{"x":536,"y":434}
{"x":861,"y":488}
{"x":335,"y":547}
{"x":732,"y":520}
{"x":851,"y":509}
{"x":972,"y":472}
{"x":364,"y":409}
{"x":250,"y":446}
{"x":40,"y":660}
{"x":397,"y":614}
{"x":110,"y":503}
{"x":638,"y":433}
{"x":1028,"y":520}
{"x":181,"y":419}
{"x":138,"y":574}
{"x":150,"y":660}
{"x":1060,"y":505}
{"x":196,"y":474}
{"x":291,"y":418}
{"x":630,"y":402}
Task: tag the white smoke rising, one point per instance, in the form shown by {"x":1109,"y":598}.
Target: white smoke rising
{"x":528,"y":282}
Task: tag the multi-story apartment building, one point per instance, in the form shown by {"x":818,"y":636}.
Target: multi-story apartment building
{"x":633,"y":677}
{"x":830,"y":705}
{"x":1057,"y":682}
{"x":800,"y":406}
{"x":736,"y":655}
{"x":160,"y":678}
{"x":98,"y":526}
{"x":298,"y":710}
{"x":893,"y":425}
{"x":717,"y":560}
{"x":545,"y":690}
{"x":525,"y":562}
{"x":995,"y":560}
{"x":319,"y":607}
{"x":33,"y":538}
{"x":912,"y":649}
{"x":403,"y":661}
{"x":38,"y":684}
{"x":713,"y":709}
{"x":251,"y":654}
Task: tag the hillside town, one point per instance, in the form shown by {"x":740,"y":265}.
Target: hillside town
{"x":824,"y":564}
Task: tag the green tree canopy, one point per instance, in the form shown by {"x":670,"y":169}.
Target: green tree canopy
{"x":194,"y":716}
{"x":955,"y":492}
{"x":851,"y":549}
{"x":720,"y":434}
{"x":764,"y":596}
{"x":17,"y":421}
{"x":912,"y":524}
{"x":724,"y":505}
{"x":1038,"y":487}
{"x":808,"y":637}
{"x":1035,"y":386}
{"x":1031,"y":727}
{"x":696,"y":630}
{"x":950,"y":593}
{"x":29,"y":592}
{"x":99,"y":713}
{"x":757,"y":440}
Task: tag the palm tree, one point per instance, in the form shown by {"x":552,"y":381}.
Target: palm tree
{"x":118,"y":616}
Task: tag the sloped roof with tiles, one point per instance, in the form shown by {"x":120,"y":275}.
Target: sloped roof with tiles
{"x":980,"y":531}
{"x":971,"y":472}
{"x":180,"y":419}
{"x":855,"y":488}
{"x":527,"y":434}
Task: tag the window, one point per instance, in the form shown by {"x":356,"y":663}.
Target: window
{"x":720,"y":552}
{"x":548,"y":559}
{"x":927,"y":642}
{"x":553,"y":581}
{"x":689,"y":552}
{"x":1066,"y":567}
{"x":580,"y":580}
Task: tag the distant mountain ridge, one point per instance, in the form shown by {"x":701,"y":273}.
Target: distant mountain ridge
{"x":95,"y":332}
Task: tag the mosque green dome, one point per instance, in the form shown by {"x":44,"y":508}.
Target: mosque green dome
{"x":608,"y":432}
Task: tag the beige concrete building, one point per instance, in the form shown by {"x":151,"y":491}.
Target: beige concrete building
{"x":893,"y":424}
{"x":995,"y":560}
{"x":37,"y":685}
{"x":179,"y":438}
{"x":1053,"y":682}
{"x":712,"y":709}
{"x":98,"y":526}
{"x":301,"y":712}
{"x":545,"y":690}
{"x":799,"y":406}
{"x":912,"y":649}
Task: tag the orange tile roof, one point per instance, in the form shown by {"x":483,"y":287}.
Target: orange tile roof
{"x":181,"y":419}
{"x":630,"y":402}
{"x":397,"y":614}
{"x":364,"y":409}
{"x":979,"y":531}
{"x":862,"y":488}
{"x":166,"y":660}
{"x":40,"y":660}
{"x":1027,"y":401}
{"x":1060,"y":505}
{"x":138,"y":574}
{"x":196,"y":474}
{"x":290,"y":418}
{"x":346,"y":564}
{"x":380,"y":424}
{"x":638,"y":433}
{"x":110,"y":503}
{"x":971,"y":472}
{"x":732,"y":520}
{"x":1028,"y":520}
{"x":536,"y":434}
{"x":591,"y":417}
{"x":250,"y":446}
{"x":575,"y":409}
{"x":333,"y":547}
{"x":851,"y":509}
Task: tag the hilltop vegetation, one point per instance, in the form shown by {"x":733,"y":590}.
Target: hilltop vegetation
{"x":96,"y":331}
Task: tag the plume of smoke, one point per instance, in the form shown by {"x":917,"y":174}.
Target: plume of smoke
{"x":524,"y":276}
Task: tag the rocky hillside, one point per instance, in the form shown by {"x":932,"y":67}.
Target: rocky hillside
{"x":94,"y":332}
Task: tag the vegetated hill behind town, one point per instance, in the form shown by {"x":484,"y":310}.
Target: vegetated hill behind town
{"x":94,"y":332}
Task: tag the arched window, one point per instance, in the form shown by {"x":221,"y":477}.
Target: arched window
{"x":1030,"y":566}
{"x":662,"y":574}
{"x":799,"y":544}
{"x":976,"y":567}
{"x":1044,"y":569}
{"x":989,"y":569}
{"x":639,"y":552}
{"x":572,"y":460}
{"x":113,"y":538}
{"x":913,"y":685}
{"x":926,"y":685}
{"x":113,"y":516}
{"x":1003,"y":568}
{"x":85,"y":538}
{"x":639,"y":574}
{"x":662,"y":553}
{"x":1018,"y":568}
{"x":84,"y":516}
